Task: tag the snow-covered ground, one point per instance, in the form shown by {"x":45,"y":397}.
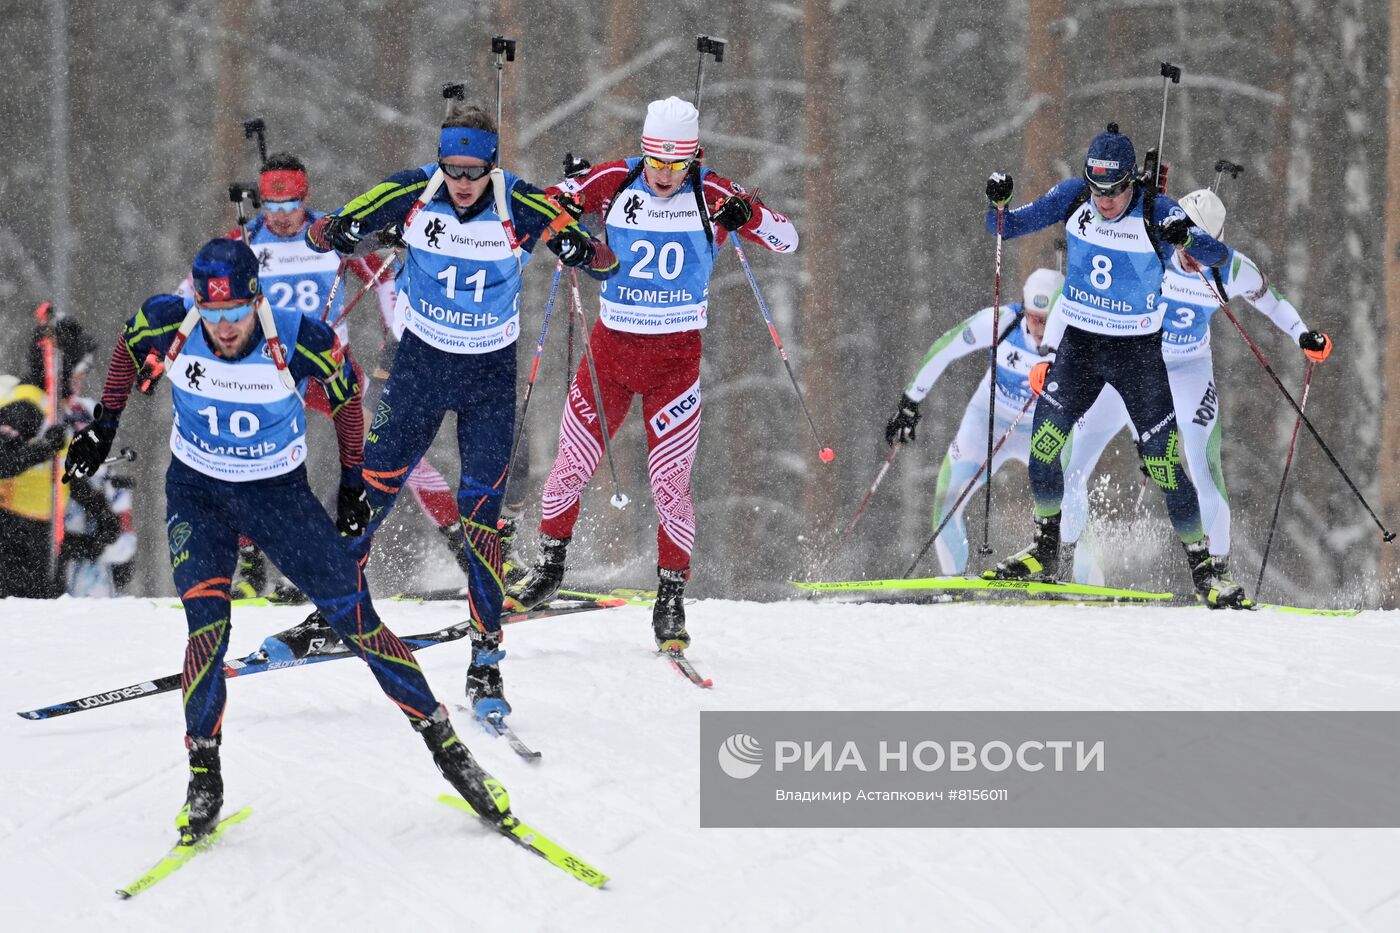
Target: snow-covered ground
{"x":347,"y":835}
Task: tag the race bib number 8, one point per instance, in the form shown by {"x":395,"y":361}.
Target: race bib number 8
{"x":1102,"y":276}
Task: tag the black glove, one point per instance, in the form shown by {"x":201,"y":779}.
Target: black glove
{"x":575,"y":168}
{"x":575,"y":249}
{"x":391,"y":236}
{"x":1316,"y":345}
{"x":334,"y":232}
{"x":733,"y":212}
{"x":52,"y":440}
{"x":1176,"y":231}
{"x":901,"y":426}
{"x":352,"y":511}
{"x":89,"y":448}
{"x":571,"y":204}
{"x":999,"y":188}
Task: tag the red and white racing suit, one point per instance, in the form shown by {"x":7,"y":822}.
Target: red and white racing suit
{"x":647,"y":341}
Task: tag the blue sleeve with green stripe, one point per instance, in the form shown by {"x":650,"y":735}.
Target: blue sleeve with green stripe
{"x":318,"y":355}
{"x":154,"y":326}
{"x":387,"y":202}
{"x":534,"y":211}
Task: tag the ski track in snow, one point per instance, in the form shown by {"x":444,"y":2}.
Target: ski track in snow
{"x":347,"y":834}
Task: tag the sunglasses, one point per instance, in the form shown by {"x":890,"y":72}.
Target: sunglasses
{"x":281,"y":207}
{"x":469,"y":172}
{"x":232,"y":314}
{"x":662,"y":165}
{"x":1111,"y":190}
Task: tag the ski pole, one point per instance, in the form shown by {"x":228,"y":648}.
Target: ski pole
{"x":373,"y":281}
{"x":256,"y":127}
{"x":870,"y":494}
{"x":504,"y":50}
{"x":519,"y":432}
{"x":1386,"y":534}
{"x":335,"y":287}
{"x":1287,"y":462}
{"x":619,"y":501}
{"x":1221,"y":167}
{"x":967,"y":490}
{"x":535,"y":364}
{"x":1171,"y":74}
{"x":705,"y":46}
{"x":986,"y":547}
{"x":125,"y":455}
{"x":826,"y":454}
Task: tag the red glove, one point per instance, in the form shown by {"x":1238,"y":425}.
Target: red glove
{"x":1037,"y":377}
{"x":1316,"y":345}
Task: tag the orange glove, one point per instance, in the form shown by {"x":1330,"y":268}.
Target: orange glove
{"x":1316,"y":345}
{"x":1037,"y":377}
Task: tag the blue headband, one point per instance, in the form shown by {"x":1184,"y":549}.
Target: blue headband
{"x":462,"y":141}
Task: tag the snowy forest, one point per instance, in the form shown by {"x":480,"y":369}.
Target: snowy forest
{"x":873,"y":125}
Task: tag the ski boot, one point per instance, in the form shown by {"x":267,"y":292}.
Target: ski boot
{"x":205,"y":796}
{"x":511,"y":572}
{"x":1211,"y":576}
{"x":668,"y":612}
{"x":485,"y":691}
{"x":312,"y":635}
{"x":284,"y":594}
{"x":252,"y":571}
{"x":485,"y":794}
{"x":1040,"y":561}
{"x":543,"y":582}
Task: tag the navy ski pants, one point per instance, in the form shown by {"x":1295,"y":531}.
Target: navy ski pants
{"x":1084,"y":363}
{"x":424,"y":385}
{"x":204,"y":517}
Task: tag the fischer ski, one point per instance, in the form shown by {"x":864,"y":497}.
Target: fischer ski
{"x":1304,"y":611}
{"x":532,"y":840}
{"x":687,"y":670}
{"x":180,"y":855}
{"x":259,"y":662}
{"x":995,"y":588}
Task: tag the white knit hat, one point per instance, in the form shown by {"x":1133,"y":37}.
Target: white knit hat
{"x":671,"y":130}
{"x":1040,"y":290}
{"x":1206,"y":210}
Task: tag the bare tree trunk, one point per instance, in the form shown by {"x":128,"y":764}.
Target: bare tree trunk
{"x":820,"y":365}
{"x":1390,"y":271}
{"x":1045,"y":131}
{"x":392,"y":82}
{"x":614,"y":133}
{"x":229,"y":96}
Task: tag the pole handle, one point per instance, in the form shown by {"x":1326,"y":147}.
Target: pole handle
{"x":256,"y":127}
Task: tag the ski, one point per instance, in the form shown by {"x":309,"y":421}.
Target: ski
{"x":532,"y":840}
{"x":495,"y":723}
{"x":1303,"y":610}
{"x":260,"y":661}
{"x":631,"y":597}
{"x":687,"y":670}
{"x":995,"y":588}
{"x":181,"y":854}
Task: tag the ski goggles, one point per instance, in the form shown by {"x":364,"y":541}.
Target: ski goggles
{"x":469,"y":172}
{"x":226,"y":313}
{"x":662,"y":165}
{"x":1110,"y":189}
{"x":281,"y":207}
